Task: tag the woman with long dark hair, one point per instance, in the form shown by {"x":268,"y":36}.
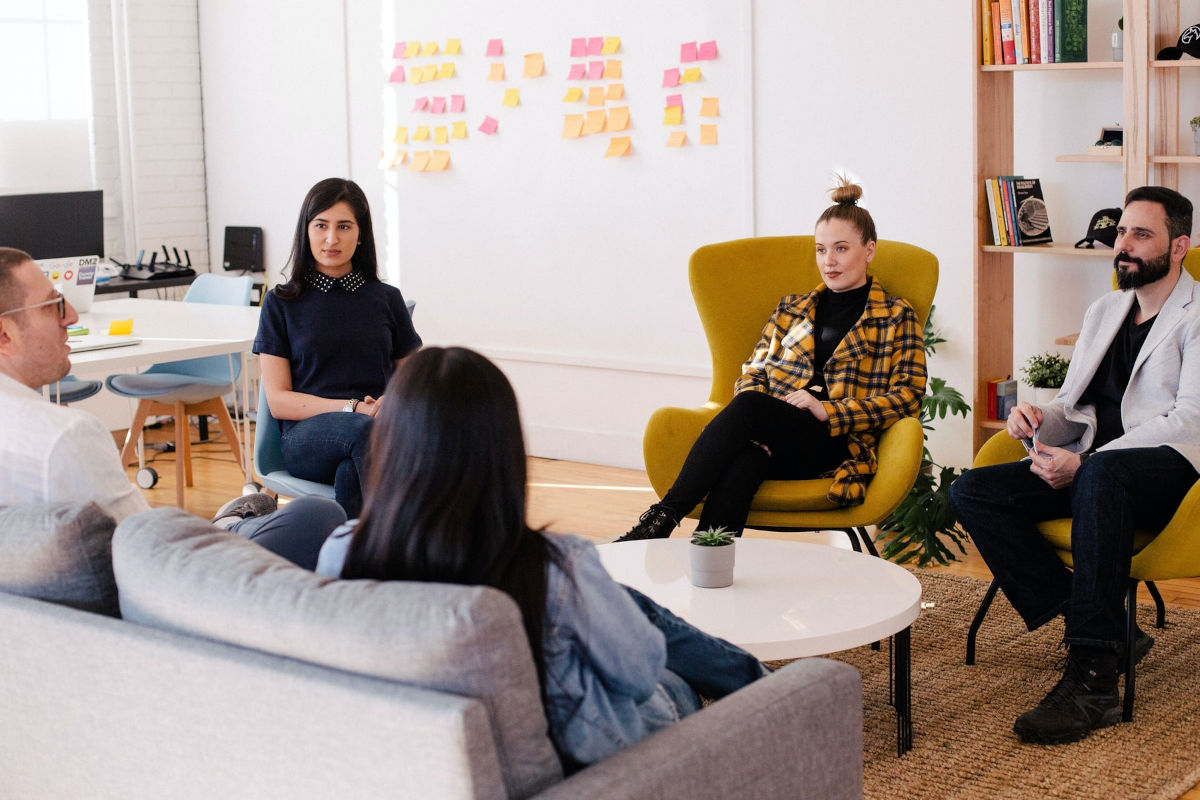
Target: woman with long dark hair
{"x":445,"y":502}
{"x":329,"y":339}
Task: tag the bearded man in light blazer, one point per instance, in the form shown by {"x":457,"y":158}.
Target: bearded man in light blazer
{"x":1116,"y":449}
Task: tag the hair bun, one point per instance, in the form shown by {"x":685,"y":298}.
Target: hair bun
{"x":846,"y":193}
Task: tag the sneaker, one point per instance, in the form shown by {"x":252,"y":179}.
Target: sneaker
{"x":1084,"y":700}
{"x":656,"y":523}
{"x":258,"y":504}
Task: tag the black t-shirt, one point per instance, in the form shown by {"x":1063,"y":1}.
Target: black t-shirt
{"x":836,"y":314}
{"x":1112,"y":377}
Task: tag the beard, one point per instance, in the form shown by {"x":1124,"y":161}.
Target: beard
{"x":1147,"y":271}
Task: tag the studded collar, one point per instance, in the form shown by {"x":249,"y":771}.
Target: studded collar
{"x":350,"y":282}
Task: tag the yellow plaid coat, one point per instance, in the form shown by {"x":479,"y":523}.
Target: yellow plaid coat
{"x":875,"y":376}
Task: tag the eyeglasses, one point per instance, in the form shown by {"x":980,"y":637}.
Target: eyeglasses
{"x":60,"y":301}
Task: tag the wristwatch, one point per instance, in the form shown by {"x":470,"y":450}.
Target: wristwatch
{"x":1084,"y":456}
{"x":350,"y":405}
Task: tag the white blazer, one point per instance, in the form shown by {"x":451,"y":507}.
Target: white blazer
{"x":1161,"y":405}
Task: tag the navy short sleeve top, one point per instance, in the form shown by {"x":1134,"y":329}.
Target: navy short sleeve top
{"x":340,"y":343}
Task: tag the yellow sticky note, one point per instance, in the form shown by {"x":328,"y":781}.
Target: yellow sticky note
{"x":615,"y":91}
{"x":120,"y":327}
{"x":420,"y":161}
{"x":690,"y":75}
{"x":430,"y":49}
{"x":421,"y":134}
{"x":710,"y":107}
{"x":429,"y":72}
{"x":512,"y":97}
{"x":439,"y":161}
{"x":611,"y":45}
{"x":595,"y":95}
{"x":677,"y":139}
{"x":618,"y":118}
{"x":453,"y":47}
{"x":416,"y":75}
{"x":573,"y":95}
{"x":535,"y":65}
{"x":617,"y":146}
{"x":459,"y":131}
{"x":441,"y":135}
{"x":411,"y":49}
{"x":496,"y":73}
{"x":572,"y":126}
{"x":594,"y":121}
{"x":401,"y":136}
{"x":708,"y":134}
{"x":612,"y":69}
{"x":673,"y":115}
{"x":446,"y":70}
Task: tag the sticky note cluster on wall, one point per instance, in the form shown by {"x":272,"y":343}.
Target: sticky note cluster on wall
{"x":598,"y":118}
{"x":392,"y":157}
{"x":673,"y":108}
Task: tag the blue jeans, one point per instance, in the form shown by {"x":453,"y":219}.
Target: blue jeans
{"x":1114,"y":492}
{"x":296,"y":531}
{"x":696,"y":662}
{"x":331,"y":448}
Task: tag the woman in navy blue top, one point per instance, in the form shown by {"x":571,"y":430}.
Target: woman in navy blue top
{"x":328,"y":340}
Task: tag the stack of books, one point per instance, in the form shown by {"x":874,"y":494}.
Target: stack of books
{"x":1033,"y":31}
{"x":1017,"y":211}
{"x":1002,"y":396}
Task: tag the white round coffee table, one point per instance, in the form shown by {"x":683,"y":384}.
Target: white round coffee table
{"x":788,"y":600}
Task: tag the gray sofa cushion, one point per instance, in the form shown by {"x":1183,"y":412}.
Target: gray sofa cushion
{"x":176,"y":571}
{"x":59,"y":552}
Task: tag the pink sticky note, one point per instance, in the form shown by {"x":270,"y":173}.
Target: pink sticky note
{"x":688,"y":52}
{"x":439,"y":105}
{"x":398,"y":50}
{"x":579,"y":48}
{"x":577,"y":73}
{"x":595,"y":44}
{"x":708,"y":51}
{"x":489,"y":126}
{"x":420,"y":103}
{"x":674,"y":100}
{"x":457,"y":103}
{"x":495,"y":47}
{"x":397,"y":74}
{"x":671,"y":77}
{"x":595,"y":70}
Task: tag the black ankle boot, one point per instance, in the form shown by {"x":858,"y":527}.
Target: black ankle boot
{"x":1084,"y":700}
{"x":656,"y":523}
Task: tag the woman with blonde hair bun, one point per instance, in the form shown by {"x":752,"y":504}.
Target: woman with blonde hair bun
{"x":834,"y":367}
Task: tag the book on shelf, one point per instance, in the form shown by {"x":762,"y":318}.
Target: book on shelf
{"x":989,"y":188}
{"x":1030,"y":215}
{"x":1020,"y":47}
{"x":1006,"y":32}
{"x":1043,"y":7}
{"x":1006,"y":397}
{"x":997,"y":46}
{"x":1051,"y":34}
{"x":1006,"y":197}
{"x":1035,"y":33}
{"x":985,"y":34}
{"x":1070,"y":43}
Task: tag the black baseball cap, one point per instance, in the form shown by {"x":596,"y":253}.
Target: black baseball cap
{"x":1103,"y":228}
{"x":1189,"y":42}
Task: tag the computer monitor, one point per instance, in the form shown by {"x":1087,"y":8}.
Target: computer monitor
{"x":243,"y":249}
{"x":53,"y":224}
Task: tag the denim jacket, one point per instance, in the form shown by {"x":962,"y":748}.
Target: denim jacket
{"x":603,"y":658}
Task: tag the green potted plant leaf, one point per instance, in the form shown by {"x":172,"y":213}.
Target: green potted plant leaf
{"x":712,"y":554}
{"x":1045,"y":372}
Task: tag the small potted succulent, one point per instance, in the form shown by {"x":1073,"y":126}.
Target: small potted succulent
{"x":1045,"y":372}
{"x":712,"y":558}
{"x":1195,"y":123}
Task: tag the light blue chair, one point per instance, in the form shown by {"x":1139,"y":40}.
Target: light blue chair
{"x":188,"y":388}
{"x":268,"y":457}
{"x":71,"y":390}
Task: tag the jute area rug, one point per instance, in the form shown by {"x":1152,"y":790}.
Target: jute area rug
{"x":963,"y":744}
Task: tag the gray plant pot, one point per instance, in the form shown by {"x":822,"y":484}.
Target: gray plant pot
{"x":712,"y":567}
{"x":1196,"y":141}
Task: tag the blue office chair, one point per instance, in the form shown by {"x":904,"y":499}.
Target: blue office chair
{"x":187,"y":388}
{"x":268,"y":457}
{"x":71,"y":390}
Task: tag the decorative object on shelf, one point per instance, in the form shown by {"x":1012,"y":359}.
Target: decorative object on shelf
{"x":1189,"y":42}
{"x":712,"y":553}
{"x":1110,"y":143}
{"x":1195,"y":123}
{"x":1045,"y":372}
{"x":1118,"y":40}
{"x":1102,"y":228}
{"x":916,"y":528}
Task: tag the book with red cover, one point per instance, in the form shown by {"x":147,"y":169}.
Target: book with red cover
{"x":1006,"y":32}
{"x":1035,"y":34}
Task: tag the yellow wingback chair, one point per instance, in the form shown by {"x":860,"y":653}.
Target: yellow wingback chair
{"x":1172,"y":553}
{"x":736,"y":285}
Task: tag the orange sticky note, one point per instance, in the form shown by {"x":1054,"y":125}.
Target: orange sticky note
{"x":535,"y":65}
{"x":595,"y":95}
{"x":441,"y":135}
{"x":496,"y":73}
{"x":420,"y":161}
{"x":690,"y":75}
{"x":421,"y":134}
{"x":708,"y":134}
{"x":411,"y":49}
{"x":120,"y":327}
{"x":460,"y":130}
{"x":512,"y":97}
{"x":677,"y":139}
{"x":439,"y":161}
{"x":710,"y":107}
{"x":618,"y":118}
{"x":612,"y":69}
{"x":611,"y":45}
{"x":594,"y":121}
{"x":401,"y":155}
{"x":573,"y":95}
{"x":453,"y":47}
{"x":430,"y":49}
{"x":617,"y":146}
{"x":572,"y":126}
{"x":446,"y":70}
{"x":673,"y":115}
{"x":615,"y":91}
{"x":401,"y":136}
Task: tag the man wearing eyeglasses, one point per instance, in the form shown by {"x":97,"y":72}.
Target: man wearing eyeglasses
{"x":54,"y":454}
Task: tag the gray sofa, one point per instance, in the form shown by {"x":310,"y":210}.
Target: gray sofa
{"x":232,"y":673}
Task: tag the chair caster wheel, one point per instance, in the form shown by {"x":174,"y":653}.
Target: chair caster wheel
{"x":253,"y":487}
{"x":147,"y":477}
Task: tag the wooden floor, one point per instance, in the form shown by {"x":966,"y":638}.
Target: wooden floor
{"x":567,"y":497}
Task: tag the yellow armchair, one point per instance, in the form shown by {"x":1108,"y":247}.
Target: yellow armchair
{"x":736,"y":285}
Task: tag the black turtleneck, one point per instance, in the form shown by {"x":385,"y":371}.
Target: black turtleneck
{"x":836,"y":314}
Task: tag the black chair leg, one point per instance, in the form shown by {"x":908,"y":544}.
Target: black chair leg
{"x":975,"y":623}
{"x":1130,"y":627}
{"x":1160,"y":617}
{"x":853,"y":534}
{"x":862,"y":532}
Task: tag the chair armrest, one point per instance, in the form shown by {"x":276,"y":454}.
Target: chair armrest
{"x":670,"y":434}
{"x":794,"y":734}
{"x":1000,"y":449}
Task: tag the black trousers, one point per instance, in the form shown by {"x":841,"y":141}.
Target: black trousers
{"x":727,"y":463}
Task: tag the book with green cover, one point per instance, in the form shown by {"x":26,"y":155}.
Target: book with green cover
{"x":1070,"y":30}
